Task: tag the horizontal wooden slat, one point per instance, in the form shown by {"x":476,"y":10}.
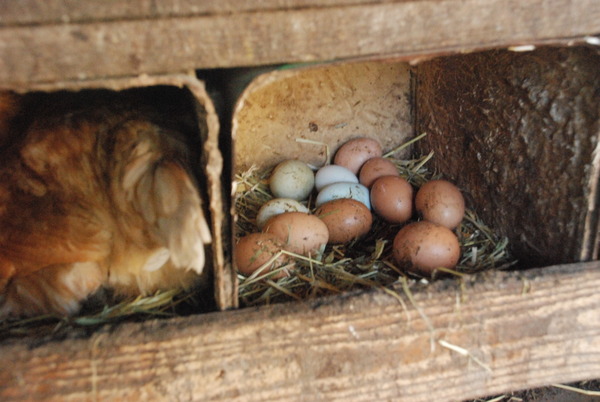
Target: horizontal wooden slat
{"x":520,"y":330}
{"x":117,"y":48}
{"x":35,"y":12}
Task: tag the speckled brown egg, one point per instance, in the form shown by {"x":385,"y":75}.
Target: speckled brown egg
{"x":375,"y":168}
{"x":441,"y":202}
{"x":354,"y":153}
{"x":256,"y":249}
{"x":300,"y":232}
{"x":422,"y":247}
{"x":346,"y":219}
{"x":392,"y":199}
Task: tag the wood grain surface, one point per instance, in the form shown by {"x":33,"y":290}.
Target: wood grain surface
{"x":499,"y":332}
{"x":89,"y":44}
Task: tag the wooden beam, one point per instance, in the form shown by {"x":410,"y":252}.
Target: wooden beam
{"x":498,"y":332}
{"x":93,"y":49}
{"x":35,"y":12}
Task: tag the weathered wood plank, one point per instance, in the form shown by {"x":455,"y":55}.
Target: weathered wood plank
{"x":61,"y":11}
{"x":521,"y":330}
{"x":116,"y":48}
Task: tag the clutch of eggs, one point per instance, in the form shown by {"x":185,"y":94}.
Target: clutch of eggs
{"x":360,"y":180}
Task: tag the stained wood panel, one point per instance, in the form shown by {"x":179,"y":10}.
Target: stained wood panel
{"x":503,"y":332}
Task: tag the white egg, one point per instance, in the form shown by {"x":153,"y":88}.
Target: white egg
{"x":292,"y":179}
{"x":333,"y":174}
{"x":277,"y":206}
{"x":336,"y":191}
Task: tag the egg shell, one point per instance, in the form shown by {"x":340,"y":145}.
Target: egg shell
{"x":301,"y":233}
{"x":423,"y":246}
{"x":354,"y":153}
{"x":256,"y":249}
{"x":330,"y":174}
{"x":375,"y":168}
{"x":277,"y":206}
{"x":441,"y":202}
{"x":292,"y":179}
{"x":346,"y":219}
{"x":392,"y":199}
{"x":336,"y":191}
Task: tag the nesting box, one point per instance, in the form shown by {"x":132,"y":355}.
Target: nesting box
{"x":517,"y":131}
{"x":177,"y":102}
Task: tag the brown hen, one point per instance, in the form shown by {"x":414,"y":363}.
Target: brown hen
{"x":92,"y":194}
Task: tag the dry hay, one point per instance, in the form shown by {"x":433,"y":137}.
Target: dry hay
{"x":100,"y":309}
{"x":363,"y":263}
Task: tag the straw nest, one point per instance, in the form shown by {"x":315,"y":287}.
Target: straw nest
{"x":363,"y":263}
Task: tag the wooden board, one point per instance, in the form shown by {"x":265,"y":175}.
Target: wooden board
{"x":61,"y":11}
{"x":152,"y":42}
{"x":503,"y":332}
{"x":326,"y":105}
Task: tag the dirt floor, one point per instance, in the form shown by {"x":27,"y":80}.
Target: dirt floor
{"x":552,"y":394}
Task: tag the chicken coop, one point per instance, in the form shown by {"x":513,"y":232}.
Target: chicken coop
{"x":503,"y":95}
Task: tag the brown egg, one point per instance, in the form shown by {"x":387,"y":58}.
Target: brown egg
{"x":346,"y":219}
{"x":354,"y":153}
{"x":441,"y":202}
{"x":254,"y":250}
{"x":423,"y":246}
{"x":300,"y":232}
{"x":375,"y":168}
{"x":392,"y":199}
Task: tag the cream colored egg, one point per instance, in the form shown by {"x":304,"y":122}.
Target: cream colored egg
{"x":277,"y":206}
{"x":292,"y":179}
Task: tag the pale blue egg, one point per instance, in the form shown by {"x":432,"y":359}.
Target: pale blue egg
{"x":333,"y":174}
{"x":336,"y":191}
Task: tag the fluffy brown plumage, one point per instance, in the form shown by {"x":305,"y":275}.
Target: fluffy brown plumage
{"x":93,"y":195}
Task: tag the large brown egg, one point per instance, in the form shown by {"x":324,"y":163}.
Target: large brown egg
{"x":392,"y":199}
{"x":346,"y":219}
{"x":255,"y":250}
{"x":423,"y":246}
{"x":354,"y":153}
{"x":300,"y":232}
{"x":375,"y":168}
{"x":441,"y":202}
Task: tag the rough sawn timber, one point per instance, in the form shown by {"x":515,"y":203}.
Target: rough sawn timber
{"x":78,"y":44}
{"x":516,"y":330}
